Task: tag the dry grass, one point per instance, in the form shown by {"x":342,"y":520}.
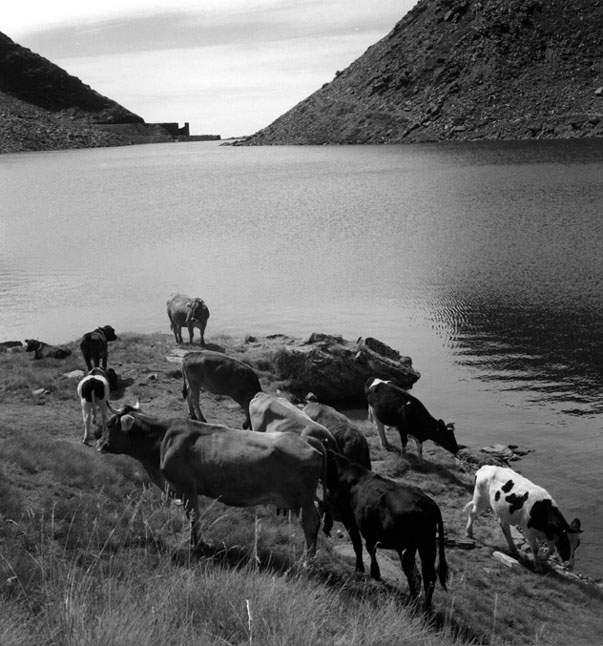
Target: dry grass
{"x":90,"y":556}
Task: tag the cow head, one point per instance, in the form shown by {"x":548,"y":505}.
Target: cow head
{"x":117,"y":438}
{"x":197,"y":310}
{"x":445,"y":436}
{"x":31,"y":345}
{"x":567,"y":542}
{"x":109,"y":333}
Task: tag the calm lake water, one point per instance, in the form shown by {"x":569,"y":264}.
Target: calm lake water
{"x":480,"y":261}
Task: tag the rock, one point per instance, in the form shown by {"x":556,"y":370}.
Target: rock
{"x":335,"y":369}
{"x":505,"y":559}
{"x":74,"y":374}
{"x":40,"y":391}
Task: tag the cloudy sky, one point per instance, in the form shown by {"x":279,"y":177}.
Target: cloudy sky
{"x":229,"y":67}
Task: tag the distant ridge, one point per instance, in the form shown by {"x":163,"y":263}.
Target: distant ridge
{"x":42,"y":107}
{"x":463,"y":70}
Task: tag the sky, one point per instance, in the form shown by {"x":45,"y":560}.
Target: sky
{"x":228,"y":67}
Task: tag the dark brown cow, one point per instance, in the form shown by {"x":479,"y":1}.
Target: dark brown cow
{"x":389,"y":515}
{"x":94,"y":346}
{"x":187,"y":312}
{"x":221,"y":375}
{"x":352,"y":443}
{"x":43,"y":350}
{"x":238,"y":468}
{"x":390,"y":405}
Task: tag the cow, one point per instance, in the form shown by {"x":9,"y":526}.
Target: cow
{"x":517,"y":501}
{"x":269,"y":413}
{"x":93,"y":391}
{"x":187,"y":312}
{"x":350,"y":440}
{"x":43,"y":350}
{"x":239,"y":468}
{"x":390,"y":405}
{"x":94,"y":346}
{"x":389,"y":515}
{"x":221,"y":375}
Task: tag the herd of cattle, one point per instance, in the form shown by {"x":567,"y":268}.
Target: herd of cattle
{"x":285,"y":454}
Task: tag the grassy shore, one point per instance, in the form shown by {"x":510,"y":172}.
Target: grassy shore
{"x":91,"y":555}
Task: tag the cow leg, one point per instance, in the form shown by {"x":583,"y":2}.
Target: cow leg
{"x":105,"y":361}
{"x":191,"y":333}
{"x":380,"y":429}
{"x":371,"y":546}
{"x":534,"y":546}
{"x":310,"y":522}
{"x":403,"y":439}
{"x":507,"y":532}
{"x":202,"y":331}
{"x":427,"y":553}
{"x":407,"y":559}
{"x":419,"y":449}
{"x":191,"y":506}
{"x":87,"y":415}
{"x":352,"y":528}
{"x":194,"y":393}
{"x":475,"y":507}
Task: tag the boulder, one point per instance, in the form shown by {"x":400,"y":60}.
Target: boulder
{"x":335,"y":369}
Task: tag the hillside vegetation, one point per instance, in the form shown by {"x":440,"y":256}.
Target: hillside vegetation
{"x":42,"y":107}
{"x":463,"y":70}
{"x":90,"y":554}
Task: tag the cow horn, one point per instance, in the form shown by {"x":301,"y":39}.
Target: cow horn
{"x":115,"y":411}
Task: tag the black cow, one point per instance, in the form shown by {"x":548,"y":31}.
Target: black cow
{"x":350,"y":440}
{"x":187,"y":312}
{"x":94,"y":346}
{"x":221,"y":375}
{"x":43,"y":350}
{"x":390,"y":405}
{"x":389,"y":515}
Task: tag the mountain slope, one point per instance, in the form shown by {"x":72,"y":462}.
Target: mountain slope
{"x":463,"y":70}
{"x":42,"y":107}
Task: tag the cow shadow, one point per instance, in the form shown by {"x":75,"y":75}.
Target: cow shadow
{"x":235,"y":557}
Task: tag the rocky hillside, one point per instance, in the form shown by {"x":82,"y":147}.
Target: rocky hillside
{"x":42,"y":107}
{"x":464,"y":70}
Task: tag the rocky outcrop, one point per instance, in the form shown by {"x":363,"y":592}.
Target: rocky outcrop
{"x":335,"y":369}
{"x":42,"y":107}
{"x":463,"y":70}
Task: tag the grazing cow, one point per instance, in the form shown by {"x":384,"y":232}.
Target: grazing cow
{"x":218,"y":374}
{"x":352,"y":443}
{"x":42,"y":350}
{"x":390,"y":405}
{"x":187,"y":312}
{"x":269,"y":413}
{"x":517,"y":501}
{"x":239,"y":468}
{"x":93,"y":391}
{"x":389,"y":515}
{"x":94,"y":346}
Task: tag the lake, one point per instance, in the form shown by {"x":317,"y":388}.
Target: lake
{"x":480,"y":261}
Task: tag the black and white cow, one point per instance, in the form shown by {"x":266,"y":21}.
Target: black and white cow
{"x":517,"y":501}
{"x":93,"y":391}
{"x":390,"y":405}
{"x":389,"y":515}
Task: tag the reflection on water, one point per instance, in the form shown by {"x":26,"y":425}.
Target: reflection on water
{"x":481,"y":261}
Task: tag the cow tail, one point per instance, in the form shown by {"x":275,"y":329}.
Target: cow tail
{"x":442,"y":565}
{"x":93,"y":399}
{"x":326,"y":504}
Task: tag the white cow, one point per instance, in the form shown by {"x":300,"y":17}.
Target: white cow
{"x":93,"y":391}
{"x":517,"y":501}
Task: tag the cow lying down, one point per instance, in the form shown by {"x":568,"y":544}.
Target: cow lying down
{"x":389,"y":515}
{"x":517,"y":501}
{"x":43,"y":350}
{"x":240,"y":468}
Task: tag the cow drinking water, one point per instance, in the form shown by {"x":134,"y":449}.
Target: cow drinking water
{"x":517,"y":501}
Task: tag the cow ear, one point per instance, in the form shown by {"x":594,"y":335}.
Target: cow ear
{"x":575,"y":526}
{"x":126,"y":422}
{"x":188,"y":304}
{"x":450,"y":426}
